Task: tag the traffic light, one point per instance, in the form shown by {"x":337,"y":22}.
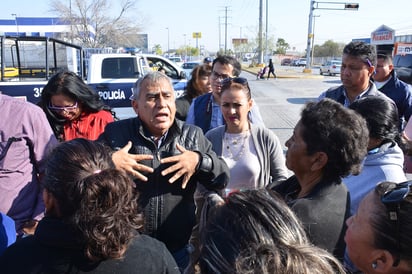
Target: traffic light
{"x":351,"y":6}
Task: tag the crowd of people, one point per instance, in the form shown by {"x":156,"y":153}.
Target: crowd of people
{"x":198,"y":184}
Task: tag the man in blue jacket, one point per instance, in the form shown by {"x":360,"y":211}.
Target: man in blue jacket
{"x":388,"y":82}
{"x":205,"y":111}
{"x":358,"y":66}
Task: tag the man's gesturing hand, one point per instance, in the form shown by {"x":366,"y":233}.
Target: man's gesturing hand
{"x":130,"y":162}
{"x":184,"y":165}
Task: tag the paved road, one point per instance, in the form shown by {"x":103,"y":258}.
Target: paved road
{"x":281,"y":100}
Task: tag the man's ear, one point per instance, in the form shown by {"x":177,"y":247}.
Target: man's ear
{"x":134,"y":106}
{"x":372,"y":71}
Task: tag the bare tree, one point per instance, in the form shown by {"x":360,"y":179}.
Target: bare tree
{"x":92,"y":26}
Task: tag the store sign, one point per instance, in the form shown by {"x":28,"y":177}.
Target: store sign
{"x":383,"y":36}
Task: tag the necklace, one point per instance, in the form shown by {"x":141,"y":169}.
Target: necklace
{"x":235,"y":144}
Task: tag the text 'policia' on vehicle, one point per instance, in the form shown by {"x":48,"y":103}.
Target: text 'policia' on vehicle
{"x":28,"y":62}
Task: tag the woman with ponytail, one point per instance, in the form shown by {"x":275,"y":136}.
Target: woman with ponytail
{"x":92,"y":220}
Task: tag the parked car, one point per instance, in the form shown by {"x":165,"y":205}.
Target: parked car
{"x":286,"y":62}
{"x":301,"y":62}
{"x":189,"y":66}
{"x":177,"y":59}
{"x":331,"y":67}
{"x":403,"y":67}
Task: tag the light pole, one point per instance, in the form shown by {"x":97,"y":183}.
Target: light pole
{"x":71,"y":22}
{"x":313,"y":39}
{"x":266,"y":29}
{"x":15,"y":20}
{"x":310,"y":34}
{"x":168,"y":42}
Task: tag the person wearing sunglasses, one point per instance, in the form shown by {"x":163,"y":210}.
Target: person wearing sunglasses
{"x":329,"y":142}
{"x":379,"y":235}
{"x":205,"y":111}
{"x":253,"y":153}
{"x":358,"y":66}
{"x":74,"y":109}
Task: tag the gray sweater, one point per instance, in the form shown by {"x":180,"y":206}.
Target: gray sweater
{"x":268,"y":148}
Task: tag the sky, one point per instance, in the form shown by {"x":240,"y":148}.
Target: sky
{"x":172,"y":23}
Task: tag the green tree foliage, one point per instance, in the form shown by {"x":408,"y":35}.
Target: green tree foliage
{"x":187,"y":51}
{"x":157,"y":49}
{"x":281,"y":46}
{"x":329,"y":49}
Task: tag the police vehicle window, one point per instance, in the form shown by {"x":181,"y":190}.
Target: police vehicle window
{"x":119,"y":68}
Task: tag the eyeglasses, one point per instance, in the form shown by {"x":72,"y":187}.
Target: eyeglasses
{"x":226,"y":83}
{"x":216,"y":75}
{"x":392,"y":199}
{"x":62,"y":109}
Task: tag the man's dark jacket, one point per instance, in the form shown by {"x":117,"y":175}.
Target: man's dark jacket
{"x":169,"y":209}
{"x":338,"y":93}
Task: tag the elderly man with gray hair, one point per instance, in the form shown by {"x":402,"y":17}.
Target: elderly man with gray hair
{"x":167,"y":158}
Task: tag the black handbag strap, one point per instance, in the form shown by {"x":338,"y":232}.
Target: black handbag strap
{"x":29,"y":143}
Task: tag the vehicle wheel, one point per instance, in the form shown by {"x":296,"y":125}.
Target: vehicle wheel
{"x":320,"y":72}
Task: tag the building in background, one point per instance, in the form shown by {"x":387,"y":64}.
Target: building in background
{"x":53,"y":27}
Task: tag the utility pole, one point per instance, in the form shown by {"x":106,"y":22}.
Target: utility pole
{"x":260,"y":32}
{"x":71,"y":21}
{"x":168,"y":42}
{"x":184,"y":35}
{"x":313,"y":39}
{"x":308,"y":45}
{"x":226,"y":23}
{"x":220,"y":35}
{"x":226,"y":30}
{"x":267,"y":28}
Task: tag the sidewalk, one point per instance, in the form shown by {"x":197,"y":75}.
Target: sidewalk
{"x":292,"y":72}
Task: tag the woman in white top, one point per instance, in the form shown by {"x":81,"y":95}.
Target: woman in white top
{"x":253,"y":153}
